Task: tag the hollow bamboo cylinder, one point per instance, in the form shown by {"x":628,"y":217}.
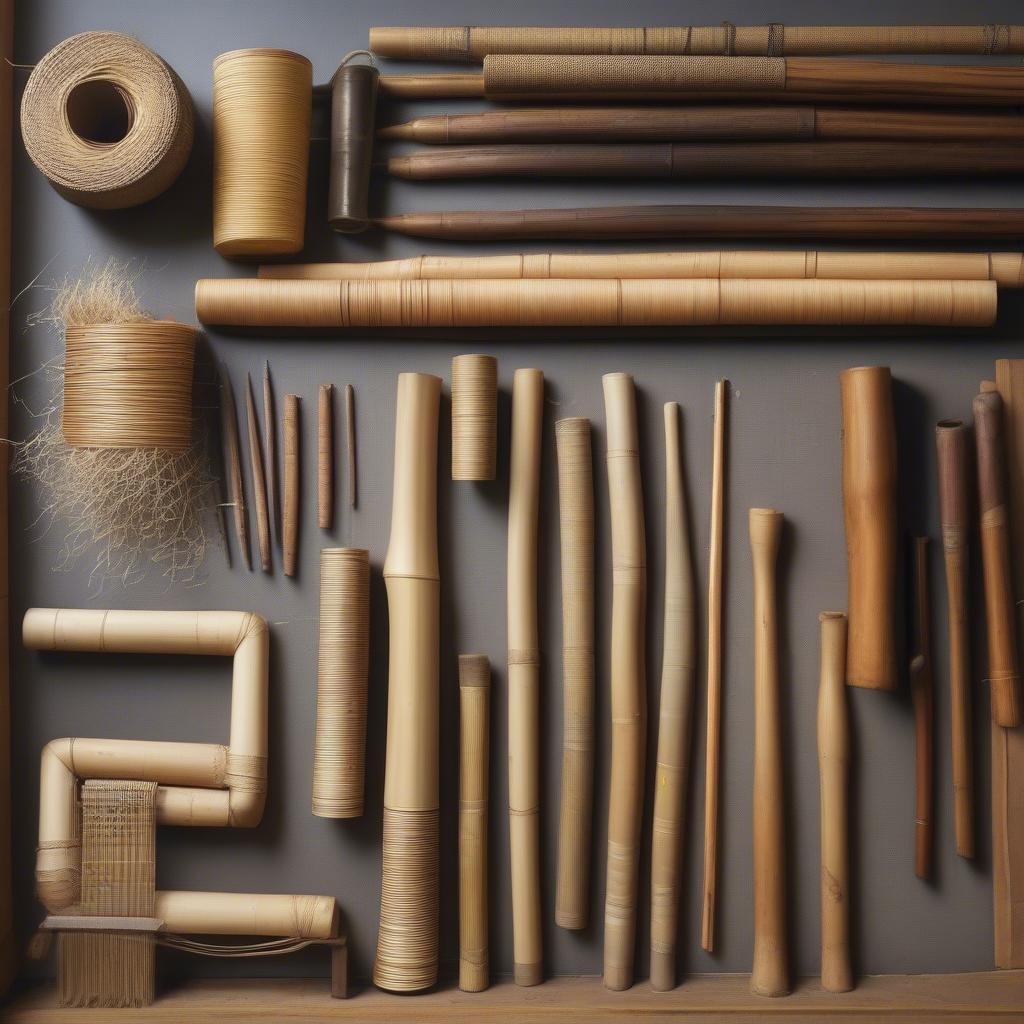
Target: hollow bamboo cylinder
{"x":524,"y":675}
{"x":993,"y":517}
{"x":262,"y":107}
{"x":576,"y":532}
{"x":325,"y":457}
{"x":922,"y":687}
{"x":833,"y":781}
{"x":406,"y":959}
{"x":675,"y":716}
{"x":339,"y":748}
{"x":951,"y":441}
{"x":770,"y":972}
{"x":292,"y":482}
{"x":869,"y":507}
{"x":243,"y":913}
{"x":474,"y":417}
{"x":353,"y":115}
{"x":474,"y":704}
{"x":628,"y":679}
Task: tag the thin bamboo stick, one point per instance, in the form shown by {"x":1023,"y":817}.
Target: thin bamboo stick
{"x":325,"y":457}
{"x":350,"y":442}
{"x":236,"y":494}
{"x":259,"y":487}
{"x":922,"y":693}
{"x":292,"y":485}
{"x":270,"y":449}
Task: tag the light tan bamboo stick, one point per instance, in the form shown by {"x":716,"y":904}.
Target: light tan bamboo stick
{"x":406,"y":959}
{"x":576,"y":531}
{"x":292,"y":484}
{"x":628,"y":685}
{"x":712,"y":760}
{"x":474,"y":417}
{"x":270,"y":449}
{"x":675,"y":716}
{"x":833,"y":781}
{"x":922,"y":694}
{"x":236,"y":492}
{"x":474,"y":704}
{"x":951,"y":440}
{"x":770,"y":973}
{"x":259,"y":486}
{"x":523,"y":674}
{"x":350,"y":442}
{"x":325,"y":457}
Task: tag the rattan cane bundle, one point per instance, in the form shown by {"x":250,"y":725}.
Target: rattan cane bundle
{"x":474,"y":417}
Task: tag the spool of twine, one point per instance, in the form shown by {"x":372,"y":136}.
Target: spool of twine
{"x":339,"y":751}
{"x":106,"y":120}
{"x":262,"y":105}
{"x":128,"y":385}
{"x":474,"y":417}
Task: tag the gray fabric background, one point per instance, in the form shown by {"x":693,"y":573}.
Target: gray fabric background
{"x":783,"y":451}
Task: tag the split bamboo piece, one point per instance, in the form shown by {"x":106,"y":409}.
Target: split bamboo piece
{"x":834,"y":781}
{"x":339,"y":750}
{"x":993,"y":515}
{"x":259,"y":485}
{"x":524,"y":674}
{"x":922,"y":693}
{"x":350,"y":442}
{"x":474,"y":42}
{"x":576,"y":533}
{"x":233,"y":460}
{"x":474,"y":703}
{"x":270,"y":449}
{"x":1005,"y":268}
{"x":712,"y":763}
{"x":474,"y":417}
{"x":770,"y":973}
{"x":292,"y":484}
{"x":675,"y":716}
{"x":406,"y":959}
{"x":628,"y":679}
{"x":951,"y":439}
{"x":325,"y":458}
{"x":869,"y":508}
{"x":695,"y":123}
{"x":582,"y":303}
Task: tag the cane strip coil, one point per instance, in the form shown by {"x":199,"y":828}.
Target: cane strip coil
{"x":474,"y":417}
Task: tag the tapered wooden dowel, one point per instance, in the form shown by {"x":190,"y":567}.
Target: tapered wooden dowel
{"x":951,"y":440}
{"x":922,"y":693}
{"x":524,"y":675}
{"x":259,"y":485}
{"x":350,"y":443}
{"x":770,"y":973}
{"x":236,"y":493}
{"x":675,"y":715}
{"x":712,"y":756}
{"x":993,"y":515}
{"x":270,"y":450}
{"x":325,"y":457}
{"x":292,"y":482}
{"x":628,"y":679}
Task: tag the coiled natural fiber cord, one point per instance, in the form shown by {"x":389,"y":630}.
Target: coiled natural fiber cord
{"x":106,"y":120}
{"x":262,"y":106}
{"x":474,"y":417}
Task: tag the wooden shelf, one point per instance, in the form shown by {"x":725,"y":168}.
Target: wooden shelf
{"x":912,"y":999}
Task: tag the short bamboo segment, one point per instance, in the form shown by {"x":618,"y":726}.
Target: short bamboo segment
{"x":922,"y":687}
{"x":292,"y":482}
{"x":576,"y":532}
{"x":628,"y":679}
{"x":474,"y":417}
{"x":339,"y":749}
{"x":524,"y":675}
{"x":474,"y":703}
{"x":675,"y":716}
{"x":259,"y":482}
{"x":325,"y":457}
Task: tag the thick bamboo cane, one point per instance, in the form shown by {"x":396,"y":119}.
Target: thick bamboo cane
{"x":675,"y":715}
{"x":922,"y":693}
{"x":292,"y":482}
{"x":628,"y":684}
{"x":833,"y":780}
{"x":242,"y":913}
{"x":770,"y":974}
{"x":259,"y":482}
{"x":325,"y":457}
{"x":406,"y":959}
{"x":524,"y":675}
{"x":474,"y":704}
{"x":576,"y":529}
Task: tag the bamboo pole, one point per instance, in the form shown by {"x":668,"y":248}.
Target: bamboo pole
{"x":292,"y":482}
{"x":233,"y":461}
{"x":628,"y":686}
{"x":922,"y":694}
{"x":675,"y":716}
{"x":325,"y":457}
{"x":350,"y":442}
{"x":242,"y":913}
{"x":259,"y":486}
{"x":524,"y":674}
{"x":270,"y":449}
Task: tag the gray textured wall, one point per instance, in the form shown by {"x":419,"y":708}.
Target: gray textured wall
{"x":783,"y":451}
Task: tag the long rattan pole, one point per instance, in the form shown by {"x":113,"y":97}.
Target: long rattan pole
{"x":325,"y":457}
{"x":922,"y":687}
{"x":270,"y":450}
{"x":233,"y":460}
{"x":259,"y":483}
{"x":350,"y":443}
{"x":292,"y":482}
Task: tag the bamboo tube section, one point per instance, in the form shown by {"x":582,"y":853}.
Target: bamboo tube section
{"x":860,"y":159}
{"x":591,"y":303}
{"x":695,"y":123}
{"x":1005,"y":268}
{"x":233,"y":460}
{"x":922,"y":685}
{"x":628,"y":679}
{"x":474,"y":704}
{"x":675,"y":716}
{"x":951,"y":440}
{"x":869,"y":508}
{"x":292,"y":486}
{"x":339,"y":748}
{"x":524,"y":675}
{"x":259,"y":483}
{"x":712,"y":762}
{"x":474,"y":42}
{"x":833,"y":781}
{"x":244,"y":913}
{"x":770,"y":972}
{"x":406,"y":959}
{"x":993,"y":516}
{"x":474,"y":417}
{"x":576,"y":533}
{"x":325,"y":457}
